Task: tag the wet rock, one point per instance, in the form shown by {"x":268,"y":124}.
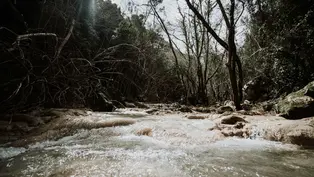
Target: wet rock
{"x":145,"y":132}
{"x":196,"y":117}
{"x":104,"y":124}
{"x":47,"y":119}
{"x":215,"y":127}
{"x":118,"y":104}
{"x":130,"y":105}
{"x":268,"y":106}
{"x":229,"y":103}
{"x":185,"y":109}
{"x":218,"y":136}
{"x":243,"y":112}
{"x":227,"y":113}
{"x":251,"y":112}
{"x":232,"y":130}
{"x":299,"y":132}
{"x":141,"y":105}
{"x":303,"y":136}
{"x":231,"y":133}
{"x":204,"y":109}
{"x":256,"y":113}
{"x":223,"y":109}
{"x":12,"y":131}
{"x":20,"y":127}
{"x":309,"y":90}
{"x":238,"y":129}
{"x":168,"y":112}
{"x":232,"y":120}
{"x":298,"y":105}
{"x":175,"y":105}
{"x":14,"y":127}
{"x":29,"y":119}
{"x":151,"y":111}
{"x":247,"y":106}
{"x":257,"y":89}
{"x":68,"y":125}
{"x":239,"y":125}
{"x":48,"y":113}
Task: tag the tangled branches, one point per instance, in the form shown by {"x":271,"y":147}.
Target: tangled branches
{"x":35,"y":72}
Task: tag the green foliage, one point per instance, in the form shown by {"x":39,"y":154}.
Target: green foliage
{"x":280,"y":42}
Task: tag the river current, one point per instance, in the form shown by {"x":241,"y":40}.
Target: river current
{"x":178,"y":147}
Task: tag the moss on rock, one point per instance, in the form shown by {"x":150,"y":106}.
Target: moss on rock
{"x":298,"y":104}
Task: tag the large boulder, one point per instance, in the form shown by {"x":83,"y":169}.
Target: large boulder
{"x":230,"y":126}
{"x":298,"y":105}
{"x":299,"y":132}
{"x":257,"y":89}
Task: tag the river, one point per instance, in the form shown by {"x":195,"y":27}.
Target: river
{"x":178,"y":147}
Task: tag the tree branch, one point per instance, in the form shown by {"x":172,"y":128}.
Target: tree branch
{"x":65,"y":40}
{"x":224,"y":14}
{"x":206,"y":24}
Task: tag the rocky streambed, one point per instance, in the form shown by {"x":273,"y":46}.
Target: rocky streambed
{"x":163,"y":140}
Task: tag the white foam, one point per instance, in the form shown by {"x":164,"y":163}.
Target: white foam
{"x":10,"y":152}
{"x":131,"y":113}
{"x":252,"y":144}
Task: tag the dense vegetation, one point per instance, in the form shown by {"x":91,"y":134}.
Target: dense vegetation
{"x":74,"y":56}
{"x":79,"y":53}
{"x":279,"y":44}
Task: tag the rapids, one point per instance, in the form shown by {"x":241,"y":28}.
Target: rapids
{"x":178,"y":147}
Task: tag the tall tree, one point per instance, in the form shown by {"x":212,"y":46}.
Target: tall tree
{"x":234,"y":64}
{"x":200,"y":53}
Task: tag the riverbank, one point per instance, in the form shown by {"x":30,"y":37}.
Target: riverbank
{"x":53,"y":124}
{"x":160,"y":143}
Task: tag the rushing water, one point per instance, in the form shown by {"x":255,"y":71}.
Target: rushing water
{"x":178,"y":147}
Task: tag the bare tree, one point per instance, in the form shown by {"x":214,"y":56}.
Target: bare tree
{"x":234,"y":64}
{"x":199,"y":52}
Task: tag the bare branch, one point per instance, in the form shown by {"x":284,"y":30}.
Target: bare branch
{"x":65,"y":40}
{"x":206,"y":24}
{"x":224,"y":14}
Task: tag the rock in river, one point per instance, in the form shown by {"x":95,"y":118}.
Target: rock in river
{"x":232,"y":120}
{"x":224,"y":109}
{"x":145,"y":132}
{"x":298,"y":105}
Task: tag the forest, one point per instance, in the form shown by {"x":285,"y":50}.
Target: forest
{"x":157,"y":88}
{"x":78,"y":53}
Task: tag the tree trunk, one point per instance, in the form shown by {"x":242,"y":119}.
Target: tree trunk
{"x":233,"y":61}
{"x":240,"y":81}
{"x":233,"y":78}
